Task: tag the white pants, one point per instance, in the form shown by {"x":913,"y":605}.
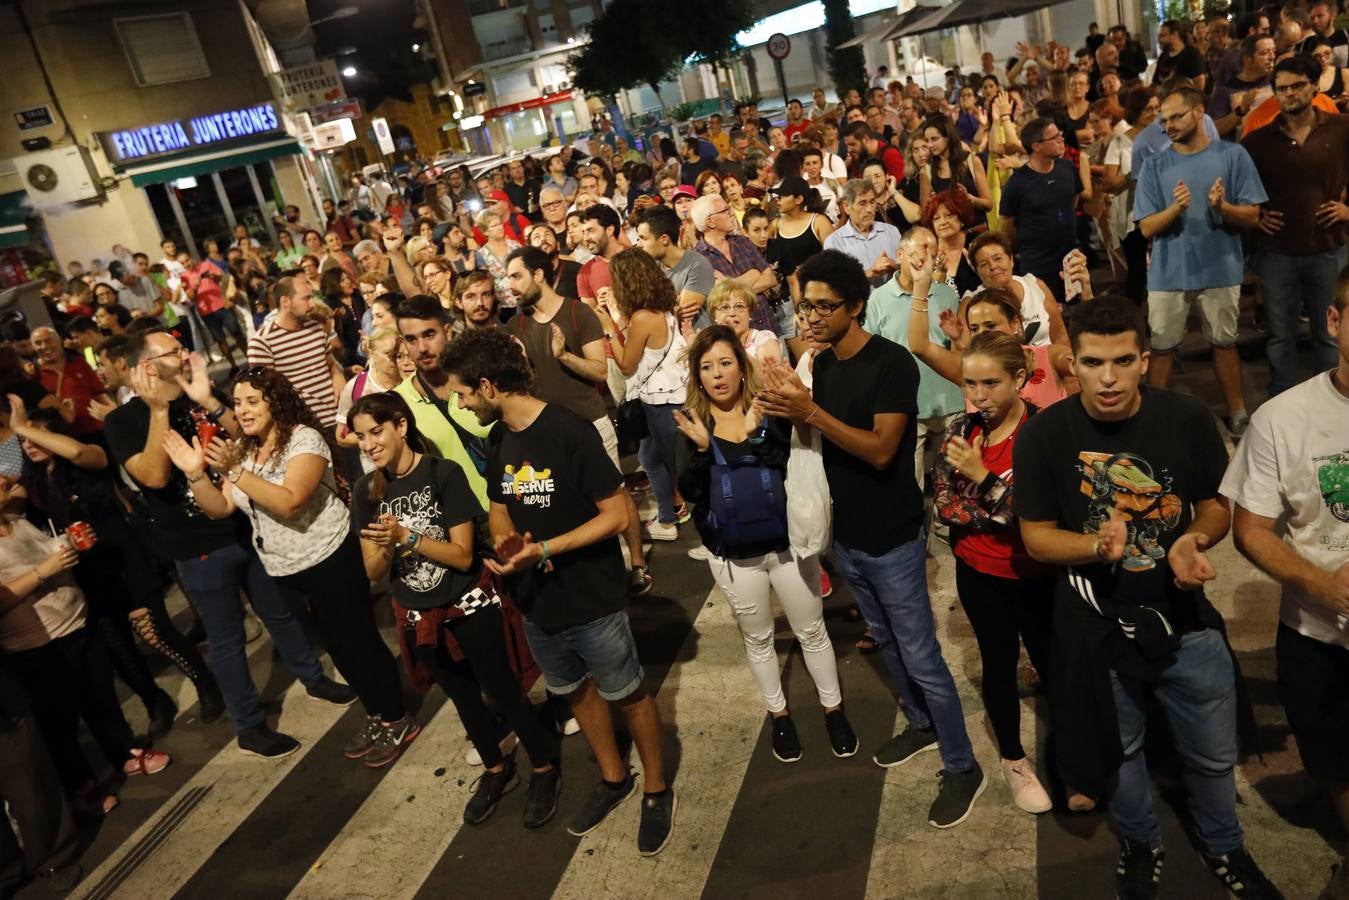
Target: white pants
{"x":747,"y":584}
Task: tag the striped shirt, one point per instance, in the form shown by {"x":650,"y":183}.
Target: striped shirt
{"x":302,"y":356}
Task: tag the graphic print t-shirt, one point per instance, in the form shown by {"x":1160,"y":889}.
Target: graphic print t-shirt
{"x":550,"y":477}
{"x":1072,"y":469}
{"x":431,"y":499}
{"x":1293,"y":465}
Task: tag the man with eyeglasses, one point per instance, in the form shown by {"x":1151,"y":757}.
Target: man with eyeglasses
{"x":733,"y":256}
{"x":864,"y":404}
{"x":1196,"y":245}
{"x":1302,"y":229}
{"x":212,"y":556}
{"x":553,"y":210}
{"x":1039,"y":205}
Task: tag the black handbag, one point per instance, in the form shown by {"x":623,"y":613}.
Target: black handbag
{"x":631,"y":422}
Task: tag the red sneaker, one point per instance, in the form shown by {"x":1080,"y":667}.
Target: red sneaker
{"x":826,"y":586}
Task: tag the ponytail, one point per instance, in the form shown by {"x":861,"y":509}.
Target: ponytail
{"x":1006,"y":351}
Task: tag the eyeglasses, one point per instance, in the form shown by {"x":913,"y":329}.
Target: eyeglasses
{"x":1291,"y":88}
{"x":176,"y":351}
{"x":735,"y":308}
{"x":806,"y":308}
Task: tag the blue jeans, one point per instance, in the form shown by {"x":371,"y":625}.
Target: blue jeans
{"x":1198,"y":692}
{"x":891,"y":592}
{"x":1291,"y":285}
{"x":657,"y":453}
{"x":213,"y":583}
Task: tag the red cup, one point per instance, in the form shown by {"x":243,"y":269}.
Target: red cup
{"x":206,"y":432}
{"x":81,"y":535}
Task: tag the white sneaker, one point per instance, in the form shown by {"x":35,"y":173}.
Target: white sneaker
{"x":659,"y":531}
{"x":700,"y":552}
{"x":1027,"y":792}
{"x":571,"y":726}
{"x":473,"y":758}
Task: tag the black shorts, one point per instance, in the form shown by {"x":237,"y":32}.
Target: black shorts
{"x":1314,"y":684}
{"x":220,"y":322}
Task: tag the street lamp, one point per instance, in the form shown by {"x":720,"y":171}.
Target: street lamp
{"x":349,"y":71}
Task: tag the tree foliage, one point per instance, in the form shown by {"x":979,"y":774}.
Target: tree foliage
{"x":636,"y":42}
{"x":847,"y":66}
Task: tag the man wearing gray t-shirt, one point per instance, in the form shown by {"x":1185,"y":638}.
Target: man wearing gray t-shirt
{"x":691,"y":273}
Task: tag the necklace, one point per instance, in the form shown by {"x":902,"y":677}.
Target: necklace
{"x":416,"y":458}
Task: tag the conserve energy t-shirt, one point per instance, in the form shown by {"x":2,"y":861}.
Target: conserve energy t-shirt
{"x":1293,"y":465}
{"x":550,"y":477}
{"x":875,"y":510}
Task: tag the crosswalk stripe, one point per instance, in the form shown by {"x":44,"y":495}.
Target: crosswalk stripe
{"x":712,"y":707}
{"x":389,"y":846}
{"x":239,"y":783}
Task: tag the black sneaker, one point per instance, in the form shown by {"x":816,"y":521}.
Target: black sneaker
{"x":391,"y":741}
{"x":1138,"y":871}
{"x":330,"y":691}
{"x":786,"y":745}
{"x":263,"y":741}
{"x":842,"y":739}
{"x":1239,"y":874}
{"x":955,"y":797}
{"x":488,"y":790}
{"x":363,"y":741}
{"x":905,"y":746}
{"x":541,"y":804}
{"x":600,"y":803}
{"x":210,"y":705}
{"x":658,"y":815}
{"x":640,"y":581}
{"x":162,"y":713}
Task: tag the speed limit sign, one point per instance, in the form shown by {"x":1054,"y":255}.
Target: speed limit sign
{"x":779,"y":45}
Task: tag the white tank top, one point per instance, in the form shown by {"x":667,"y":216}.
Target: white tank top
{"x":660,"y":375}
{"x":1034,"y":316}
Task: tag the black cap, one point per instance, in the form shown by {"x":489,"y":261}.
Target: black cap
{"x":793,"y":186}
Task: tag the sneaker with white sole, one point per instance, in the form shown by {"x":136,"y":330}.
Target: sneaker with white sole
{"x":700,"y":552}
{"x":1027,"y":791}
{"x":571,"y":726}
{"x":956,"y":793}
{"x":507,"y":744}
{"x":662,"y":531}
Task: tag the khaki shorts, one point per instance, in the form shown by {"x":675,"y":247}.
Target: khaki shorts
{"x":1168,"y":311}
{"x":609,"y":436}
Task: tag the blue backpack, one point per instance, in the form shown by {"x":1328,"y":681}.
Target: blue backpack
{"x":747,"y":502}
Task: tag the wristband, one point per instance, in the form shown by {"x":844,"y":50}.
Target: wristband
{"x":1096,"y":550}
{"x":812,"y":414}
{"x":546,"y":553}
{"x":200,"y":476}
{"x":218,"y":414}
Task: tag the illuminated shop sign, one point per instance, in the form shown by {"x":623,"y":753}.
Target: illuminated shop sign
{"x":167,"y":138}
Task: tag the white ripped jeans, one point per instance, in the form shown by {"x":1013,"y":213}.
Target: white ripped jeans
{"x":747,"y":584}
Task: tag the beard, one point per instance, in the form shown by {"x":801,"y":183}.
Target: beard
{"x":530,"y":298}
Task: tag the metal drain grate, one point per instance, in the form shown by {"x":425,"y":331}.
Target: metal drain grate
{"x":143,"y":849}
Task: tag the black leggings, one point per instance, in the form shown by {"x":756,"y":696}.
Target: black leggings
{"x":486,"y":669}
{"x":70,"y":678}
{"x":338,"y":592}
{"x":1000,"y":610}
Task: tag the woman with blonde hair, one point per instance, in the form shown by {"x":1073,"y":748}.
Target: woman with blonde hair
{"x":380,"y":375}
{"x":730,"y":305}
{"x":640,"y":323}
{"x":494,"y":253}
{"x":727,"y":435}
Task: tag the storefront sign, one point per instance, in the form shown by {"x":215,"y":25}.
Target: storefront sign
{"x":167,"y":138}
{"x":475,"y":89}
{"x":545,"y":100}
{"x":36,"y":117}
{"x":307,"y":86}
{"x":382,"y":135}
{"x":331,"y":135}
{"x":347,"y":109}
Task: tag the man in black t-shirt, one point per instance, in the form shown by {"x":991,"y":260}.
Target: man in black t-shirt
{"x":865,"y":403}
{"x":1119,"y":487}
{"x":564,"y":342}
{"x":1038,"y":209}
{"x":212,"y":556}
{"x":556,"y":507}
{"x":1177,"y":57}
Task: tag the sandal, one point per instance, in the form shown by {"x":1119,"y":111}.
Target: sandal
{"x":146,"y":762}
{"x":867,"y":644}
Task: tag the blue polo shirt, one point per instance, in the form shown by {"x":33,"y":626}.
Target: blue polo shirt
{"x":865,"y":248}
{"x":888,"y":316}
{"x":1198,"y":251}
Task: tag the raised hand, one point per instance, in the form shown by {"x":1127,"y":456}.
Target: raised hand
{"x":393,"y":239}
{"x":187,"y":457}
{"x":1216,"y":194}
{"x":18,"y":413}
{"x":1190,"y":566}
{"x":692,"y":428}
{"x":197,"y":385}
{"x":222,"y":455}
{"x":967,"y":457}
{"x":559,"y":341}
{"x":1181,"y":194}
{"x":1113,"y":536}
{"x":948,"y":320}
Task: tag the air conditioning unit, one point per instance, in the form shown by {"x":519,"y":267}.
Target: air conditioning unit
{"x":58,"y":176}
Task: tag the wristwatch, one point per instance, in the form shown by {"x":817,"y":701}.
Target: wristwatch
{"x":408,"y":543}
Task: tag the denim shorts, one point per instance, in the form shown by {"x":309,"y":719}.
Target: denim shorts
{"x":602,"y":649}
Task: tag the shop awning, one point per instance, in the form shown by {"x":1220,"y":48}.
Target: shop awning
{"x":204,"y":164}
{"x":888,"y":28}
{"x":13,"y":219}
{"x":973,"y":12}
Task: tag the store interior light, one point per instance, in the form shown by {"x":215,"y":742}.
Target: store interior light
{"x":349,"y":71}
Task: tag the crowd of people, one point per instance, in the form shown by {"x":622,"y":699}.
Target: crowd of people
{"x":803,"y":329}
